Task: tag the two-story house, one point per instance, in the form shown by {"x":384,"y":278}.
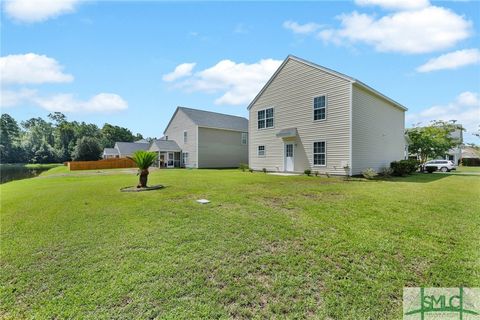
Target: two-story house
{"x":203,"y":139}
{"x":311,"y":117}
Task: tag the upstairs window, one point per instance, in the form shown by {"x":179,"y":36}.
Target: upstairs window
{"x":319,"y":153}
{"x":265,"y":118}
{"x":319,"y":108}
{"x":185,"y":136}
{"x":261,"y":151}
{"x":244,"y":138}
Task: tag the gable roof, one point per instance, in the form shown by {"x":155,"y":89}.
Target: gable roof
{"x":110,"y":151}
{"x":329,"y":71}
{"x":130,"y":147}
{"x":215,"y":120}
{"x":164,"y":145}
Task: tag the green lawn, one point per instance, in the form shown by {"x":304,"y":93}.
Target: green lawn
{"x":73,"y":246}
{"x":468,"y":169}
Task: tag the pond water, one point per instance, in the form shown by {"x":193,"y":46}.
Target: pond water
{"x":10,"y":172}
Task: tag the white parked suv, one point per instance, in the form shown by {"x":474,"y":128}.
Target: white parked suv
{"x":442,"y":165}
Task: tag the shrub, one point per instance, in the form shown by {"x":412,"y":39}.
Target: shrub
{"x":327,"y":174}
{"x":316,"y":173}
{"x":430,"y":169}
{"x":471,"y":162}
{"x":87,"y":149}
{"x":243,"y":167}
{"x":404,"y":167}
{"x":386,"y":172}
{"x":369,"y":173}
{"x":264,"y":170}
{"x":308,"y":172}
{"x":251,"y":170}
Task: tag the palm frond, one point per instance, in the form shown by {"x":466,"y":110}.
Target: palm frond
{"x":144,"y":159}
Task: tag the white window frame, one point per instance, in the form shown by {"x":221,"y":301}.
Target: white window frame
{"x":313,"y":153}
{"x":185,"y":158}
{"x":244,"y":138}
{"x":325,"y":107}
{"x":265,"y":118}
{"x":264,"y":151}
{"x":185,"y":136}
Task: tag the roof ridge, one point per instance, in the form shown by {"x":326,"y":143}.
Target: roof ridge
{"x":223,"y":114}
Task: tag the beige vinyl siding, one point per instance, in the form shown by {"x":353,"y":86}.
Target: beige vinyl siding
{"x":291,"y":93}
{"x":377,"y":131}
{"x":219,"y":148}
{"x":180,"y":123}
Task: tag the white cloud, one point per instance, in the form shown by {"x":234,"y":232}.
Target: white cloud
{"x":100,"y":103}
{"x":395,"y":4}
{"x":237,"y":82}
{"x":10,"y":98}
{"x":31,"y":68}
{"x":301,"y":28}
{"x":419,"y":31}
{"x":451,"y":60}
{"x":182,"y":70}
{"x":31,"y":11}
{"x":465,"y":109}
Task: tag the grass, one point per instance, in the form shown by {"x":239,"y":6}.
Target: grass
{"x":73,"y":246}
{"x":468,"y":169}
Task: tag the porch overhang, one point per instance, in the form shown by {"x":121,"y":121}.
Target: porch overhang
{"x":287,"y":133}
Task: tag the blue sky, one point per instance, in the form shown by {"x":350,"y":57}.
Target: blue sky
{"x":132,"y":63}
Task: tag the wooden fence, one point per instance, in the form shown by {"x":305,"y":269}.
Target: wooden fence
{"x":113,"y":163}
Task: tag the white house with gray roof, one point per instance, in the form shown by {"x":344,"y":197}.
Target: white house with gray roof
{"x":206,"y":139}
{"x":125,"y":149}
{"x":311,"y":117}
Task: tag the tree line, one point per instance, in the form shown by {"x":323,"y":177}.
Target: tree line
{"x":56,"y":139}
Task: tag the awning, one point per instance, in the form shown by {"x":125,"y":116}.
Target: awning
{"x":287,"y":133}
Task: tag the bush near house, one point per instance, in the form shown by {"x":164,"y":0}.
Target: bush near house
{"x":404,"y":167}
{"x":369,"y":173}
{"x":243,"y":167}
{"x":308,"y":172}
{"x":471,"y":162}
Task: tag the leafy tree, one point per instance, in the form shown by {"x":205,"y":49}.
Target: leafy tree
{"x":432,"y":141}
{"x":143,"y":159}
{"x":87,"y":148}
{"x":112,"y":134}
{"x":10,"y":135}
{"x":44,"y":153}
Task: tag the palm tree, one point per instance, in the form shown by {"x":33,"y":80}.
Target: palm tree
{"x":144,"y":160}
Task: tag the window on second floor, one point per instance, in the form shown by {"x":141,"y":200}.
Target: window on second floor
{"x":265,"y":118}
{"x":244,"y":138}
{"x":185,"y":136}
{"x":319,"y":108}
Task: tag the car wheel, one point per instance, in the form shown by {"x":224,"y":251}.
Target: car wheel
{"x":444,"y":169}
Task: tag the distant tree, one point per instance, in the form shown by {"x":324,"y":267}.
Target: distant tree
{"x":43,"y":153}
{"x":10,"y":135}
{"x":87,"y":148}
{"x":433,"y":140}
{"x":112,"y":134}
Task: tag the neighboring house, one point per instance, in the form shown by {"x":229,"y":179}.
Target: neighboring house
{"x":455,"y":154}
{"x":311,"y":117}
{"x":109,"y":153}
{"x":206,"y":139}
{"x":124,"y":149}
{"x":169,"y":153}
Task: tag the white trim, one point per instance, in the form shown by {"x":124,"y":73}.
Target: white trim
{"x":327,"y":70}
{"x":264,"y":151}
{"x":313,"y":154}
{"x":351,"y":130}
{"x":326,"y":107}
{"x":265,"y":109}
{"x":285,"y":155}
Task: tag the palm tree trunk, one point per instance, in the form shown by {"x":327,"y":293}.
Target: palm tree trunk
{"x":143,"y":178}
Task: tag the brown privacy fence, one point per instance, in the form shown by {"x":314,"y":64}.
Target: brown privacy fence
{"x":113,"y":163}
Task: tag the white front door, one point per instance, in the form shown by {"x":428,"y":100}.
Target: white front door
{"x":289,"y":157}
{"x":170,"y":163}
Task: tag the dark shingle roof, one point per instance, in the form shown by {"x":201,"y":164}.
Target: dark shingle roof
{"x":110,"y":151}
{"x":216,"y":120}
{"x":127,"y":148}
{"x":164,"y":145}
